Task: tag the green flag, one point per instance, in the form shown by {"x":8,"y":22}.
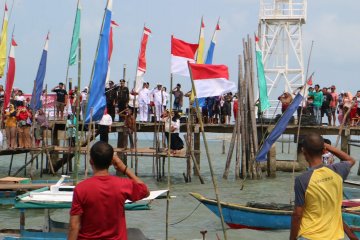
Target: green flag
{"x":75,"y":36}
{"x":263,"y":96}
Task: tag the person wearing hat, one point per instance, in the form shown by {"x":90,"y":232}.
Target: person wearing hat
{"x":61,"y":99}
{"x":110,"y":94}
{"x":159,"y":99}
{"x":123,"y":96}
{"x":333,"y":103}
{"x":83,"y":100}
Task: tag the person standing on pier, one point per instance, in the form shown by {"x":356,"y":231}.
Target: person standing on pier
{"x":318,"y":100}
{"x":61,"y":100}
{"x":144,"y":103}
{"x":158,"y":100}
{"x":23,"y":117}
{"x":98,"y":206}
{"x":325,"y":107}
{"x":2,"y":96}
{"x":319,"y":192}
{"x":334,"y":103}
{"x":285,"y":100}
{"x":123,"y":96}
{"x":10,"y":127}
{"x":110,"y":94}
{"x":178,"y":97}
{"x":105,"y":126}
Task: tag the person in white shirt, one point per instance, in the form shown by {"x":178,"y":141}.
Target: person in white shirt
{"x":105,"y":126}
{"x":165,"y":99}
{"x":144,"y":102}
{"x":158,"y":94}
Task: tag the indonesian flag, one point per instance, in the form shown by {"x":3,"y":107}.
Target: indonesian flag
{"x":142,"y":60}
{"x":211,"y":80}
{"x":10,"y":76}
{"x":182,"y":53}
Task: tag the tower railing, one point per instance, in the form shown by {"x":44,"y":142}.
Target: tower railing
{"x":279,"y":10}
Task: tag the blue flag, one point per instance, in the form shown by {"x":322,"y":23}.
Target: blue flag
{"x":278,"y":129}
{"x":97,"y":99}
{"x":35,"y":103}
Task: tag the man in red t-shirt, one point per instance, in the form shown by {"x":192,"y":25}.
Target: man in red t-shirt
{"x":98,"y":207}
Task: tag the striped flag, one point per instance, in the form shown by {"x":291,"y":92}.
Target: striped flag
{"x":97,"y":99}
{"x":200,"y":53}
{"x":35,"y":103}
{"x":141,"y":68}
{"x":263,"y":95}
{"x":3,"y":42}
{"x":182,"y":53}
{"x":10,"y":76}
{"x":75,"y":36}
{"x":210,"y":53}
{"x":211,"y":80}
{"x":111,"y":47}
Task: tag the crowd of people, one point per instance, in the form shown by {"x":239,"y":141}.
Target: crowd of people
{"x":326,"y":102}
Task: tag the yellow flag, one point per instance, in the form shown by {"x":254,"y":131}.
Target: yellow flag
{"x":200,"y":53}
{"x":3,"y":42}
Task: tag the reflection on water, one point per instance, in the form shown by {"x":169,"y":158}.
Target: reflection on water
{"x":152,"y":222}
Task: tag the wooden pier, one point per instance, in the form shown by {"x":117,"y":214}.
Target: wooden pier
{"x":56,"y":134}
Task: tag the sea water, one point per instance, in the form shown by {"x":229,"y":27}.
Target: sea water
{"x":186,"y":216}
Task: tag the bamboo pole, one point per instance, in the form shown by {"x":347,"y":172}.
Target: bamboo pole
{"x":230,"y":153}
{"x":238,"y":121}
{"x":242,"y":101}
{"x":88,"y":137}
{"x":168,"y":157}
{"x":77,"y":140}
{"x":196,"y":166}
{"x":208,"y":156}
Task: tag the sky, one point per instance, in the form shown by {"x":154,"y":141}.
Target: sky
{"x":334,"y":26}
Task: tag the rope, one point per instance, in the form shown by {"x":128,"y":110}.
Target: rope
{"x":172,"y":224}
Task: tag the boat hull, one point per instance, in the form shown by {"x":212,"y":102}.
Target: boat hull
{"x":239,"y":216}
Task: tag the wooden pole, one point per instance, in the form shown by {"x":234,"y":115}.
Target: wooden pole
{"x":77,"y":151}
{"x":208,"y":156}
{"x":230,"y":153}
{"x":89,"y":133}
{"x":242,"y":103}
{"x":238,"y":121}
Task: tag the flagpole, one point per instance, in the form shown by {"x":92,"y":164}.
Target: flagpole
{"x":168,"y":156}
{"x":197,"y":54}
{"x":208,"y":155}
{"x":134,"y":105}
{"x":68,"y":65}
{"x":77,"y":140}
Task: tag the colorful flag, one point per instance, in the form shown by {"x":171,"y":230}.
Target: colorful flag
{"x":263,"y":94}
{"x":182,"y":53}
{"x":97,"y":99}
{"x":35,"y":103}
{"x":210,"y":53}
{"x":75,"y":36}
{"x":141,"y":69}
{"x":310,"y":80}
{"x":10,"y":76}
{"x":201,"y":49}
{"x":3,"y":42}
{"x":111,"y":46}
{"x":279,"y":128}
{"x":211,"y":80}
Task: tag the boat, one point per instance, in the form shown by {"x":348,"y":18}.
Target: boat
{"x":59,"y":196}
{"x":270,"y":216}
{"x":256,"y":216}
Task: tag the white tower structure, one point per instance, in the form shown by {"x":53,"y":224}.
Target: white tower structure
{"x":280,"y":35}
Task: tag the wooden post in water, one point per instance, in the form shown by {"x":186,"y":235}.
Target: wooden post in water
{"x":242,"y":101}
{"x":197,"y":148}
{"x":238,"y":122}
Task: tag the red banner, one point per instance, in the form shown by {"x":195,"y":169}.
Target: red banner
{"x":48,"y":104}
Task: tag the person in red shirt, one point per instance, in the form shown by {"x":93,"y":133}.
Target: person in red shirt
{"x":98,"y":207}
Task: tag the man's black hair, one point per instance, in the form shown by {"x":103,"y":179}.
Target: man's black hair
{"x":327,"y":141}
{"x":178,"y":85}
{"x":101,"y":154}
{"x":313,"y":144}
{"x":317,"y":85}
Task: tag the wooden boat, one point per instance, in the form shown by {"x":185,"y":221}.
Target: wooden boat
{"x":251,"y":216}
{"x":263,"y":216}
{"x":352,"y":220}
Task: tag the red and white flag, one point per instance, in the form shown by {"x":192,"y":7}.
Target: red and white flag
{"x":141,"y":69}
{"x":111,"y":47}
{"x":211,"y":80}
{"x":10,"y":76}
{"x":182,"y":53}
